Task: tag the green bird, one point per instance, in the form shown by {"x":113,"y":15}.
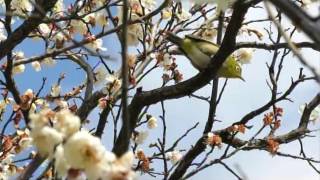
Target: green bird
{"x":200,"y":52}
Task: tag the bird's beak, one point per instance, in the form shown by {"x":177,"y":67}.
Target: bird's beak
{"x":242,"y":79}
{"x":173,"y":38}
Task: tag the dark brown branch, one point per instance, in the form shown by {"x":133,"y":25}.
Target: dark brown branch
{"x":276,"y":46}
{"x":102,"y":122}
{"x":32,"y":167}
{"x":89,"y":71}
{"x":26,"y":28}
{"x":300,"y":18}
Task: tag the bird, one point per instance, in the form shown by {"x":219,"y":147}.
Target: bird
{"x":200,"y":53}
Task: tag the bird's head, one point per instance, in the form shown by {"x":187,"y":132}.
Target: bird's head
{"x":231,"y":69}
{"x":174,"y":38}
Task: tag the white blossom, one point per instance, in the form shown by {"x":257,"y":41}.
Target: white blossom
{"x":148,"y":4}
{"x":114,"y":84}
{"x":44,"y":29}
{"x":2,"y":33}
{"x":140,"y":137}
{"x":102,"y":170}
{"x":55,"y":90}
{"x":96,"y":45}
{"x":60,"y":163}
{"x":62,"y":104}
{"x":152,"y":123}
{"x":36,"y":65}
{"x":45,"y":139}
{"x":102,"y":18}
{"x":101,"y":75}
{"x":174,"y":156}
{"x":244,"y":55}
{"x":83,"y":150}
{"x":18,"y":69}
{"x":209,"y":34}
{"x":79,"y":26}
{"x":21,"y":6}
{"x":66,"y":122}
{"x":40,"y":119}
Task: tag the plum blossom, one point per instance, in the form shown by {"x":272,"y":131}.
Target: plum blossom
{"x":140,"y":137}
{"x":66,"y":122}
{"x":45,"y":139}
{"x":36,"y":65}
{"x":244,"y":55}
{"x":152,"y":123}
{"x":60,"y":162}
{"x":55,"y":90}
{"x":174,"y":156}
{"x":82,"y":150}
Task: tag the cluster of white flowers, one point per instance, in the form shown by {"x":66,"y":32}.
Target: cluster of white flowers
{"x":19,"y":68}
{"x":95,"y":45}
{"x":81,"y":150}
{"x":21,"y":7}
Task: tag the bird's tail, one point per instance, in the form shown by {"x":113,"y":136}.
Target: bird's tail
{"x":174,"y":38}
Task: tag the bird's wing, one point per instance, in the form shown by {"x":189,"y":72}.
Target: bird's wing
{"x":209,"y":49}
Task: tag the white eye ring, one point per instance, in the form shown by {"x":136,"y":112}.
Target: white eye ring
{"x":237,"y":68}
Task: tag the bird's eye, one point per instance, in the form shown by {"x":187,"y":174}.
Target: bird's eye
{"x":237,"y":68}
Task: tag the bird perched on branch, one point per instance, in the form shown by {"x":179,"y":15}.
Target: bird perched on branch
{"x":200,"y":53}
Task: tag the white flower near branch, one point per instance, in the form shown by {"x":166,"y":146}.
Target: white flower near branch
{"x":60,"y":163}
{"x":66,"y":122}
{"x":41,"y":119}
{"x":140,"y":137}
{"x":82,"y":150}
{"x":45,"y":139}
{"x":152,"y":123}
{"x":244,"y":55}
{"x":174,"y":156}
{"x":96,"y":45}
{"x":55,"y":90}
{"x":101,"y":18}
{"x":113,"y":83}
{"x":36,"y":66}
{"x":21,"y":6}
{"x":100,"y":75}
{"x":79,"y":26}
{"x":19,"y":68}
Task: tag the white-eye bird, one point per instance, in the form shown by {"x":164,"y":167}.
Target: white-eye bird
{"x":200,"y":52}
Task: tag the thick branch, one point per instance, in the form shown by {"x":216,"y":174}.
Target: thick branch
{"x":300,"y":18}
